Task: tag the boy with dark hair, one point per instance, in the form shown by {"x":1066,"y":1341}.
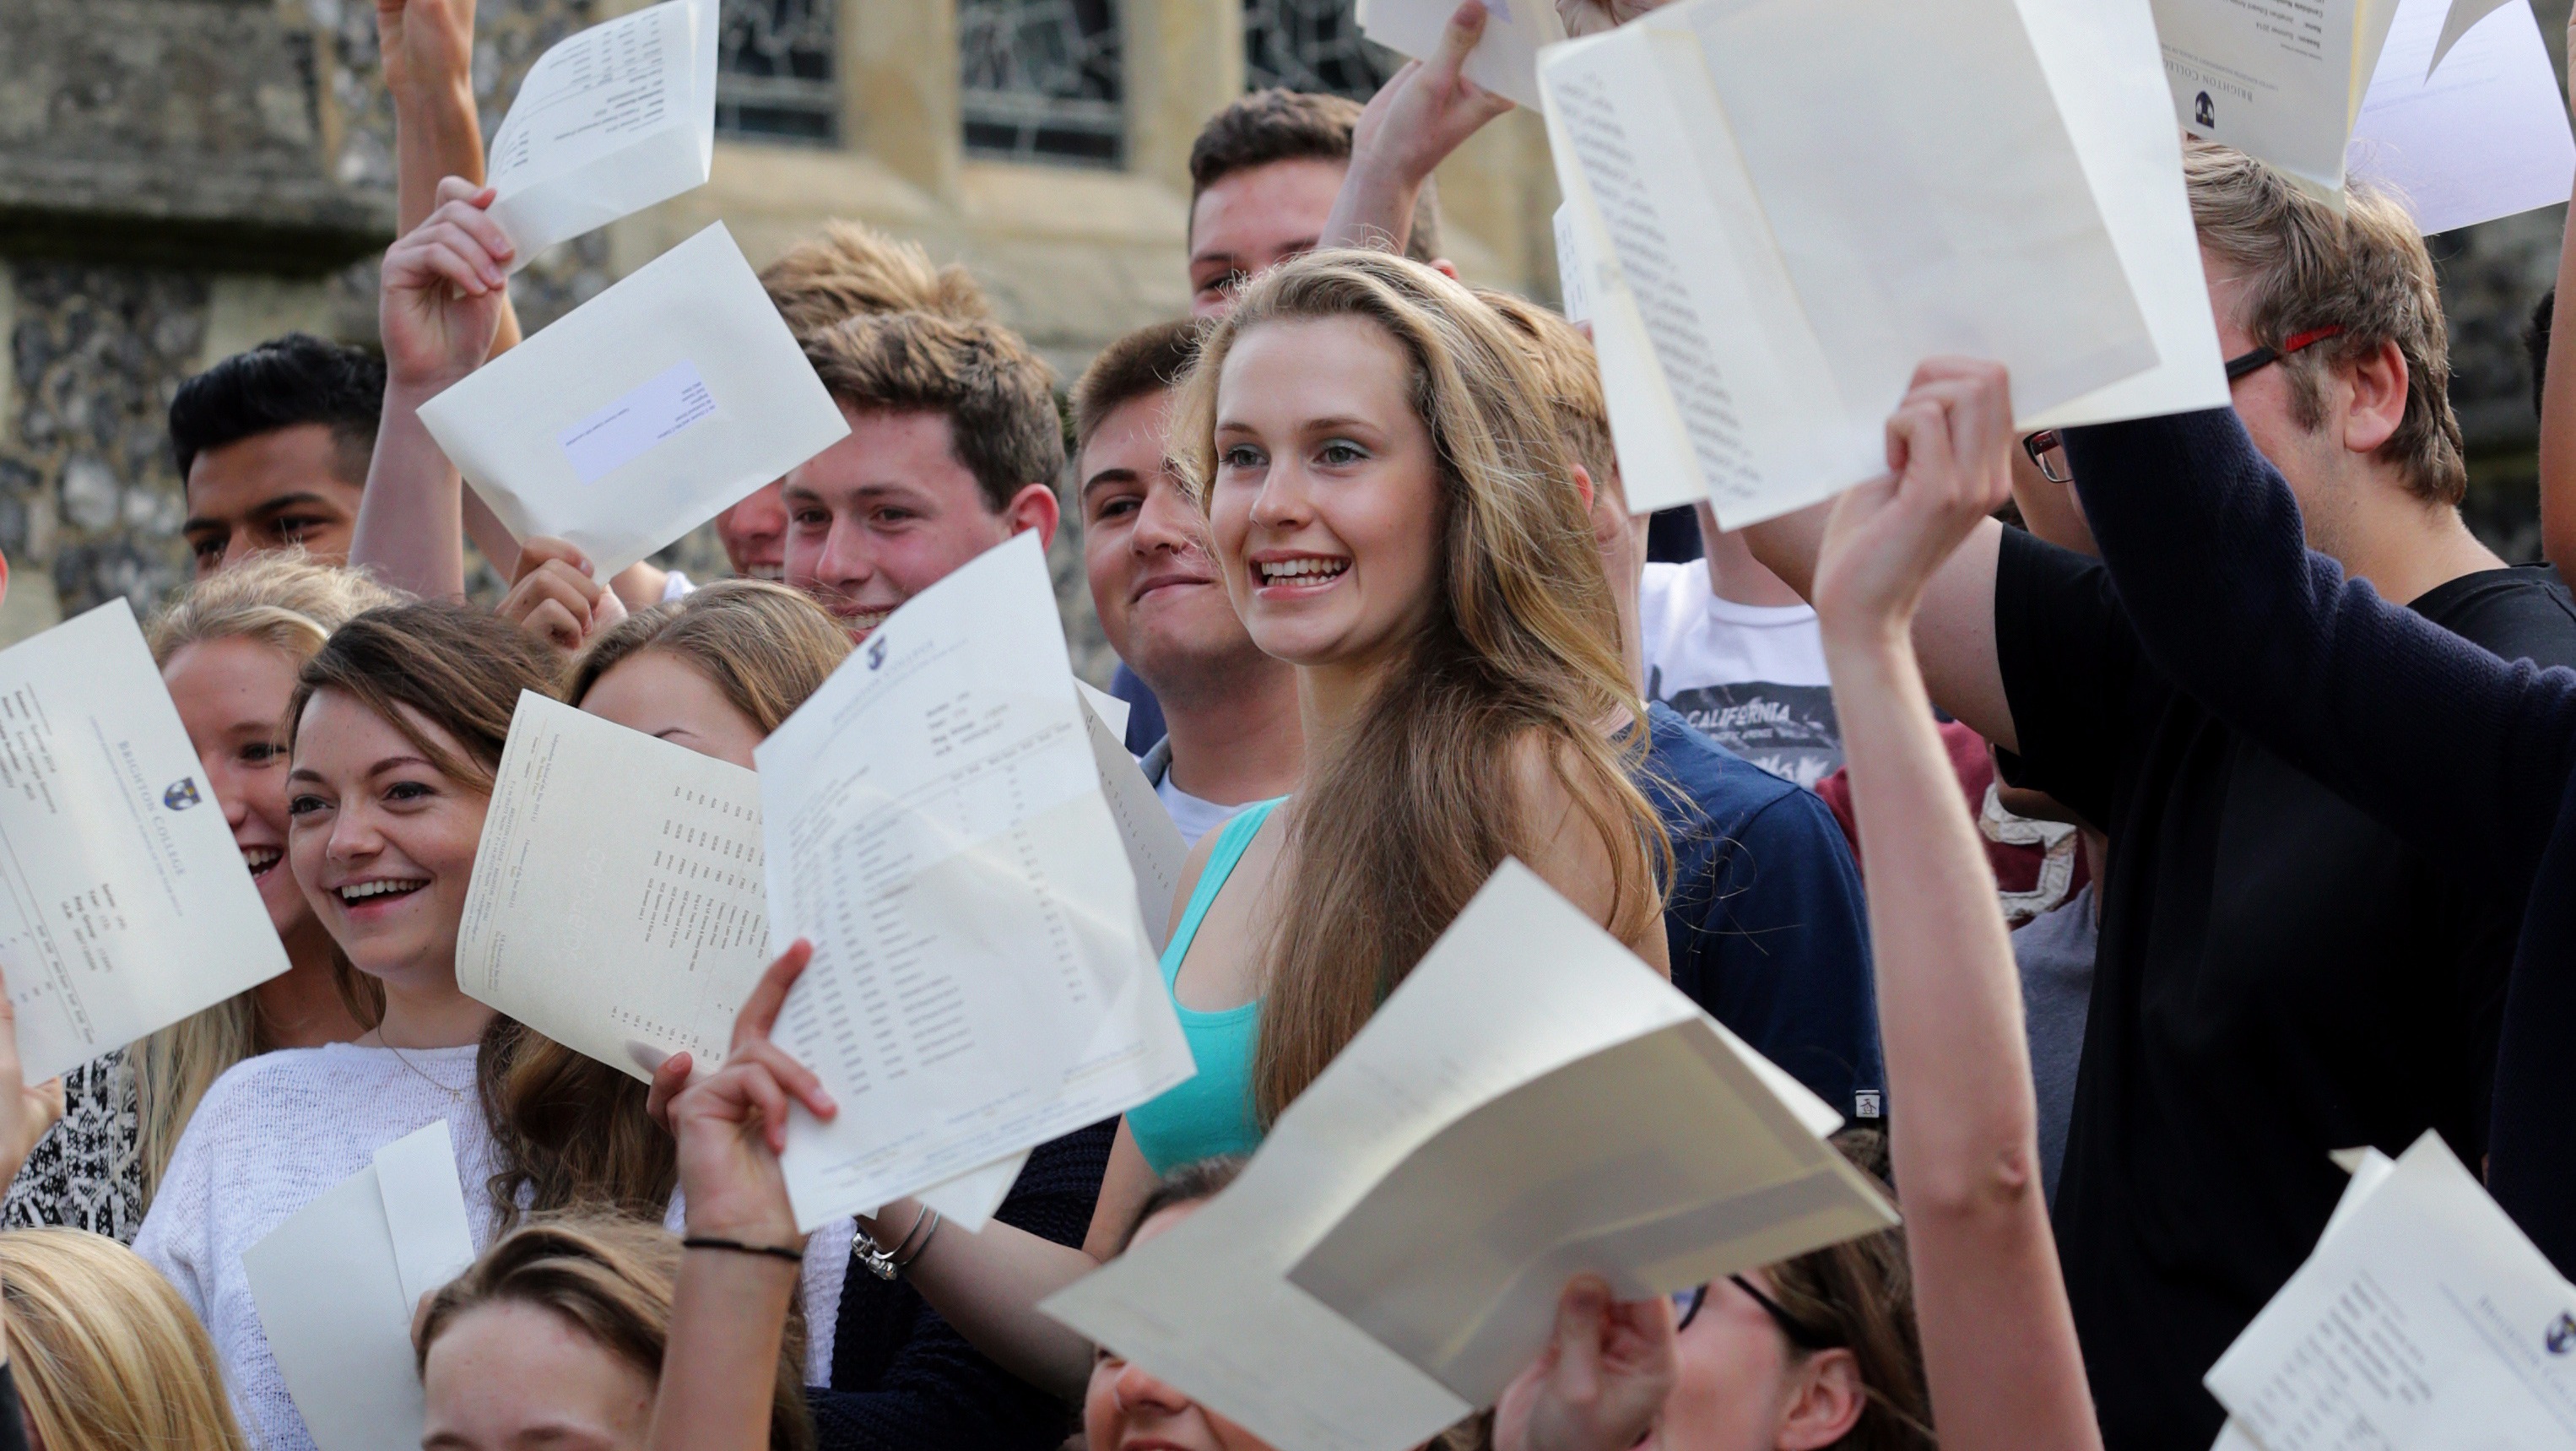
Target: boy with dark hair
{"x":272,"y":447}
{"x":1231,"y":734}
{"x":954,"y":446}
{"x":1263,"y":175}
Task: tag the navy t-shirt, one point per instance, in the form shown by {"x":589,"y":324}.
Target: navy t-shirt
{"x":1766,"y":922}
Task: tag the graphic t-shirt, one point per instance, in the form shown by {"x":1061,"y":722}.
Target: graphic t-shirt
{"x":1750,"y":677}
{"x":2277,"y":977}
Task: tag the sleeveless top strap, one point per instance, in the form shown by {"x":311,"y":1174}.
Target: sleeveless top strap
{"x":1231,"y":841}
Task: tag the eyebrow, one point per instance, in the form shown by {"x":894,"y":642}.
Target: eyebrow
{"x":290,"y":501}
{"x":1115,"y":474}
{"x":379,"y":768}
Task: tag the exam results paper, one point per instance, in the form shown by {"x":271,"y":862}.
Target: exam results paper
{"x":617,"y":904}
{"x":933,"y":822}
{"x":609,"y":121}
{"x":124,"y":903}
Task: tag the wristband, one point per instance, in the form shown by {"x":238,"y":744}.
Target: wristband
{"x":774,"y":1251}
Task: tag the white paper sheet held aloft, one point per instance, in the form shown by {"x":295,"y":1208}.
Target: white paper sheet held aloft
{"x":933,"y":821}
{"x":617,"y":905}
{"x":642,"y":413}
{"x":1155,"y":851}
{"x":124,"y":904}
{"x":336,"y":1286}
{"x":2484,"y":136}
{"x":1394,"y":1252}
{"x":2279,"y":80}
{"x":1656,"y":467}
{"x":2425,"y":1319}
{"x":1805,"y":200}
{"x":607,"y":122}
{"x":1505,"y":60}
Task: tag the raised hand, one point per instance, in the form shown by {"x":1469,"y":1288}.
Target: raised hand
{"x":445,"y":284}
{"x":1425,"y":111}
{"x":1600,"y":1383}
{"x":25,"y":1111}
{"x":1947,"y":469}
{"x":1591,"y":17}
{"x":732,"y":1124}
{"x":552,"y":594}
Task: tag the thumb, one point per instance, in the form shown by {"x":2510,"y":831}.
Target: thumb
{"x":1466,"y":26}
{"x":1578,"y":1336}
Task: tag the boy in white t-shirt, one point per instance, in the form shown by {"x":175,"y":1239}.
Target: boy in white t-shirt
{"x":1734,"y":651}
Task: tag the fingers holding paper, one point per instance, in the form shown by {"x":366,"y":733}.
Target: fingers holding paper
{"x":1600,"y":1382}
{"x":1946,"y":470}
{"x":1591,"y":17}
{"x":1424,"y":112}
{"x":26,"y":1111}
{"x":732,"y":1124}
{"x":445,"y":284}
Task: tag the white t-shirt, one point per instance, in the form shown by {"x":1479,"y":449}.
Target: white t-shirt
{"x":1752,"y":677}
{"x":276,"y":1131}
{"x":1195,"y":817}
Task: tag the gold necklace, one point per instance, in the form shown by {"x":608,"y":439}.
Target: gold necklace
{"x":454,"y":1095}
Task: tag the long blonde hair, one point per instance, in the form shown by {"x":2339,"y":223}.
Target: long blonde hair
{"x":105,"y":1353}
{"x":573,"y":1129}
{"x":290,"y":604}
{"x":1406,"y":813}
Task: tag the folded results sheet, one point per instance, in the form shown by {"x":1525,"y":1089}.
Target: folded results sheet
{"x":1531,"y":1102}
{"x":337,"y":1283}
{"x":2483,"y":135}
{"x":607,"y":122}
{"x":932,"y":820}
{"x":1505,"y":60}
{"x":642,"y":413}
{"x":124,"y":904}
{"x":2278,"y":79}
{"x":1792,"y":203}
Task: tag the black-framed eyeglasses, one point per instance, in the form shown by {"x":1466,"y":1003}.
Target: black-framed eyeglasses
{"x":2264,"y":357}
{"x":1803,"y":1336}
{"x":2048,"y":454}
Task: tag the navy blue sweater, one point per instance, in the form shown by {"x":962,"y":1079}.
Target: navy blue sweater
{"x":2203,"y":540}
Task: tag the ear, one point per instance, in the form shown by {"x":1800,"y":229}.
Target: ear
{"x":1034,"y":507}
{"x":1446,"y":268}
{"x":2377,"y":380}
{"x":1823,"y":1404}
{"x":1583,"y":485}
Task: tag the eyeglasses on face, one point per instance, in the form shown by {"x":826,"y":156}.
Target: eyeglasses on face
{"x":1805,"y":1337}
{"x":2047,"y":449}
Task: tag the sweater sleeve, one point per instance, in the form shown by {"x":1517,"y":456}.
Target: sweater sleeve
{"x":903,"y":1378}
{"x":2461,"y":754}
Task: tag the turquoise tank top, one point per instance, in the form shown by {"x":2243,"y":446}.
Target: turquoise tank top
{"x":1210,"y":1113}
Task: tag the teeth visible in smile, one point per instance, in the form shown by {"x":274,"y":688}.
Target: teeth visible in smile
{"x":1303,"y":569}
{"x":361,"y":891}
{"x":260,"y":858}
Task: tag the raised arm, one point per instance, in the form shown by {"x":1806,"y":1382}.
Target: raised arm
{"x":1425,"y":111}
{"x":2464,"y":756}
{"x":445,"y":285}
{"x":1999,"y":1346}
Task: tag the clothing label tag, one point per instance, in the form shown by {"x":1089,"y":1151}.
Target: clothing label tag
{"x":666,"y":405}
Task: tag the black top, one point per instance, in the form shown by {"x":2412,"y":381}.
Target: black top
{"x":904,"y":1380}
{"x":13,"y":1431}
{"x":2278,"y":977}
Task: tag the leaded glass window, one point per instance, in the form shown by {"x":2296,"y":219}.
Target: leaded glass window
{"x":1312,"y":45}
{"x":1042,"y":80}
{"x":774,"y":75}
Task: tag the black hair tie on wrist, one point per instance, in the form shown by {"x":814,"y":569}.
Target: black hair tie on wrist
{"x":774,"y":1251}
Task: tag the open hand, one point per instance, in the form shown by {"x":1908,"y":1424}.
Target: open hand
{"x":553,"y":595}
{"x":25,"y":1111}
{"x":1428,"y":108}
{"x":732,"y":1124}
{"x":446,"y":283}
{"x":1946,"y":465}
{"x":1600,"y":1383}
{"x":1591,"y":17}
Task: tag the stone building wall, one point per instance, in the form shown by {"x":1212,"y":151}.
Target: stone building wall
{"x":180,"y":179}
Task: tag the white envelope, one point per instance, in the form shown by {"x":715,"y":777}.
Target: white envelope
{"x":1505,"y":60}
{"x":642,"y":413}
{"x":2482,"y":137}
{"x":337,"y":1283}
{"x":607,"y":122}
{"x":124,"y":903}
{"x":1394,"y":1251}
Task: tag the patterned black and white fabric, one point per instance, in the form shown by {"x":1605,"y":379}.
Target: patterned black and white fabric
{"x":87,"y":1171}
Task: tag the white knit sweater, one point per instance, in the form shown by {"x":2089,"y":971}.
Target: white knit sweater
{"x":277,"y":1130}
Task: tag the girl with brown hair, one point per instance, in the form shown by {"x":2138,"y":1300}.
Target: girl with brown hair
{"x":1394,"y":514}
{"x":228,"y":651}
